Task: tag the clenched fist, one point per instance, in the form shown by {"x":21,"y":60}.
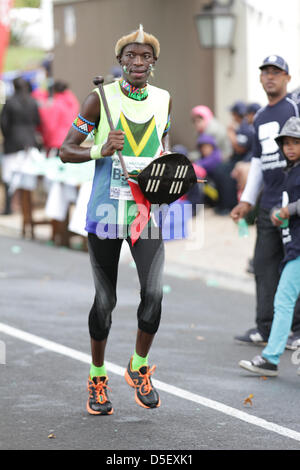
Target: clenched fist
{"x":115,"y":141}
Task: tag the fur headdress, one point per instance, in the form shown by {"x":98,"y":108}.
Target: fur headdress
{"x":138,"y":36}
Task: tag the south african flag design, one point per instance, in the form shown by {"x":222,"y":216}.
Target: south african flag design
{"x":140,"y":138}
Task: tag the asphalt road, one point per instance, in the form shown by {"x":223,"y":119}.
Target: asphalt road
{"x":47,"y":292}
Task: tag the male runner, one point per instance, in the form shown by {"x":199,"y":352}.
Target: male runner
{"x":140,"y":114}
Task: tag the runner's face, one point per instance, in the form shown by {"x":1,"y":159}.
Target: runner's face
{"x":274,"y":80}
{"x":138,"y":59}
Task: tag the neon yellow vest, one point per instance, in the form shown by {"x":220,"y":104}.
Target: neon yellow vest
{"x":144,"y":123}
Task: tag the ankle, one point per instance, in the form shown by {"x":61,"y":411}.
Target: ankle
{"x":97,"y":371}
{"x":138,"y":361}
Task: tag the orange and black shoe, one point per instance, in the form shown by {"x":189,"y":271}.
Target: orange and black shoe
{"x":98,"y":402}
{"x":145,"y":394}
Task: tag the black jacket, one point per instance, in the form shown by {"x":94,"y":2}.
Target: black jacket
{"x":19,"y":119}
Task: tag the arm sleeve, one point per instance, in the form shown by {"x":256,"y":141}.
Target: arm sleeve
{"x":254,"y":182}
{"x":294,"y":208}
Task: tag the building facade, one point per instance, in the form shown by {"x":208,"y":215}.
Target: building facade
{"x":86,"y":31}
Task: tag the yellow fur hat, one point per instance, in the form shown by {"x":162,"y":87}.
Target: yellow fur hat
{"x":140,"y":37}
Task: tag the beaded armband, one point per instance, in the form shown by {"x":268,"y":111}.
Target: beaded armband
{"x":83,"y":125}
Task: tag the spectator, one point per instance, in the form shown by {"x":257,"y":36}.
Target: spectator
{"x":209,"y":152}
{"x":288,"y":288}
{"x":210,"y":159}
{"x":251,"y":110}
{"x":19,"y":121}
{"x":266,"y":179}
{"x":57,"y":115}
{"x":241,"y":135}
{"x":205,"y":123}
{"x":241,"y":169}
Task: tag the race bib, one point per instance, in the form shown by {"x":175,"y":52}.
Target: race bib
{"x":119,"y":188}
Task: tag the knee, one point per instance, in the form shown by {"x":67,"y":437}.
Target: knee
{"x":100,"y":319}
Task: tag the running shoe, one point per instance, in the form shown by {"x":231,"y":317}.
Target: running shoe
{"x":98,"y":402}
{"x":293,"y":342}
{"x":252,"y":336}
{"x":145,"y":394}
{"x":260,"y":366}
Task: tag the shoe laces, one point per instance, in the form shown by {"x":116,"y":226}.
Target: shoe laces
{"x":258,"y":361}
{"x":100,"y":390}
{"x":146,"y":385}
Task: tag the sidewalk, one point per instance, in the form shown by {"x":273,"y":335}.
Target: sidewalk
{"x":222,"y":258}
{"x":214,"y":252}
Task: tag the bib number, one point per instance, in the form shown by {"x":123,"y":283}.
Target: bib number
{"x":119,"y":188}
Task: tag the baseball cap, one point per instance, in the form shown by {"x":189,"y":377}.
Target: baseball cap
{"x":239,"y":107}
{"x":276,"y":61}
{"x":253,"y":108}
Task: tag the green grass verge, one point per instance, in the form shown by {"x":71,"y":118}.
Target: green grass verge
{"x":22,"y":58}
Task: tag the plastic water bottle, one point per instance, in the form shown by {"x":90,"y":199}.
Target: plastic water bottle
{"x":285,"y":222}
{"x":243,"y":228}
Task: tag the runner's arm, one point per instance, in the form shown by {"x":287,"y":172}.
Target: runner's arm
{"x":71,"y":149}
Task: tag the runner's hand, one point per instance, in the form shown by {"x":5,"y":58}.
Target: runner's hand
{"x":115,"y":141}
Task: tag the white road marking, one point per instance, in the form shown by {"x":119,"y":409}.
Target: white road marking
{"x":178,"y":392}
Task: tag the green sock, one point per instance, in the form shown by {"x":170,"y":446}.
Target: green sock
{"x":138,"y":361}
{"x":97,"y":371}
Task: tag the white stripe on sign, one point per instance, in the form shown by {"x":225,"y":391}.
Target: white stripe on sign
{"x":181,"y":173}
{"x":176,"y":187}
{"x":180,"y":186}
{"x":176,"y":391}
{"x":152,"y":187}
{"x":148,"y":185}
{"x":185,"y":172}
{"x":171,"y":188}
{"x":177,"y":171}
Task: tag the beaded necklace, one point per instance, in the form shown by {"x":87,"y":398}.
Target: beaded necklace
{"x":134,"y":92}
